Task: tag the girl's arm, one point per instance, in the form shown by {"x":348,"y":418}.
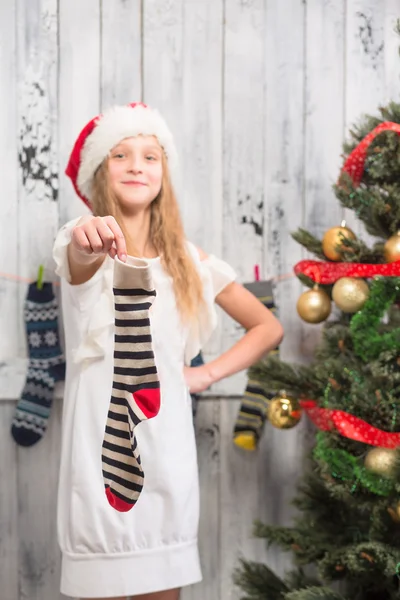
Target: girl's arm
{"x":263,"y":333}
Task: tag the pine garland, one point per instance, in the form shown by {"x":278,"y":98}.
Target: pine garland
{"x":368,"y":341}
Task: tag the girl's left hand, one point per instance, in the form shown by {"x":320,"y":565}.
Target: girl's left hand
{"x":197,"y":379}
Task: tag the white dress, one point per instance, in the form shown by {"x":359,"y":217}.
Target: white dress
{"x":152,"y":547}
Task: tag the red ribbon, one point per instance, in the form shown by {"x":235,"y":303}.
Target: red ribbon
{"x":349,"y":426}
{"x":355,"y":162}
{"x":327,"y":272}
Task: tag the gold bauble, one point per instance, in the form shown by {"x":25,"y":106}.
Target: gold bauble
{"x":350,"y":294}
{"x":284,"y":412}
{"x":314,"y":306}
{"x":381,"y":461}
{"x":392,"y":248}
{"x":332,"y":242}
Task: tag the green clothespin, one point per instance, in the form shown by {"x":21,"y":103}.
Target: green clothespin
{"x":39,"y":283}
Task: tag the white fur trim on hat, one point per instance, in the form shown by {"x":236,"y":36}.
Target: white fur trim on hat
{"x":116,"y":124}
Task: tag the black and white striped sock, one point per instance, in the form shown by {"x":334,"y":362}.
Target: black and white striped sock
{"x":136,"y":388}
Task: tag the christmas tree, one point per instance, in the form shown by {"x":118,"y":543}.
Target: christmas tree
{"x":348,"y":524}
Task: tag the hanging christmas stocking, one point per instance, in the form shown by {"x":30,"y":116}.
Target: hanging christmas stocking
{"x":46,"y":365}
{"x":136,"y":389}
{"x":252,"y":412}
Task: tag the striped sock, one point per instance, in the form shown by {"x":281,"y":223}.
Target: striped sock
{"x":136,"y":388}
{"x":46,"y":365}
{"x":252,"y":415}
{"x":253,"y":409}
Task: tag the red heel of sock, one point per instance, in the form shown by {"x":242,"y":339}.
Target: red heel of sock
{"x":148,"y":401}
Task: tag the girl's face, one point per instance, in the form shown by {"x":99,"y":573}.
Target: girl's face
{"x":135,"y":171}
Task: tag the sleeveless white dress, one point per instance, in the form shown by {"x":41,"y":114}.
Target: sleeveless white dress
{"x":152,"y":547}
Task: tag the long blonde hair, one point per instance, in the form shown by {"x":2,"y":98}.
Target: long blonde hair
{"x":166,"y":233}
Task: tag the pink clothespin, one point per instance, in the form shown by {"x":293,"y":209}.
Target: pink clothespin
{"x":257,"y":272}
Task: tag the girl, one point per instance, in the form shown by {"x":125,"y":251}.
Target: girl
{"x":161,"y":313}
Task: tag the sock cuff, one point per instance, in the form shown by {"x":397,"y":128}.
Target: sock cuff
{"x":134,"y":274}
{"x":42,"y":296}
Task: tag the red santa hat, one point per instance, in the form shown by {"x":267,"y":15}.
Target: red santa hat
{"x":104,"y":132}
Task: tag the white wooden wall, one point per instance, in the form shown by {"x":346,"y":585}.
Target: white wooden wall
{"x":259,"y":94}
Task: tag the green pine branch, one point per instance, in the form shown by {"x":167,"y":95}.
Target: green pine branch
{"x":314,"y":593}
{"x":368,"y":559}
{"x":278,"y":375}
{"x":258,"y":581}
{"x":309,"y":242}
{"x":298,"y":579}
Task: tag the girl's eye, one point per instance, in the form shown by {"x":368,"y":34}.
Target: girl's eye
{"x":119,"y":155}
{"x":150,"y":157}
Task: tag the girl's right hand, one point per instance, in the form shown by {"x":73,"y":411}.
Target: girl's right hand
{"x":99,"y":235}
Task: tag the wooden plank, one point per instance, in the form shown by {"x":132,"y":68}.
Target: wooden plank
{"x":243,"y":138}
{"x":37,"y":111}
{"x":279,"y":457}
{"x":162,"y":61}
{"x":79,"y":87}
{"x":243,"y":245}
{"x":365,"y":21}
{"x":208,"y":447}
{"x":201,"y":123}
{"x":365,"y":70}
{"x":391,"y":51}
{"x":12,"y":379}
{"x":285,"y":163}
{"x":13,"y":372}
{"x":243,"y":475}
{"x":39,"y":554}
{"x":120,"y":52}
{"x":323,"y":134}
{"x":10,"y":314}
{"x":8,"y":504}
{"x":37,"y":171}
{"x":37,"y":64}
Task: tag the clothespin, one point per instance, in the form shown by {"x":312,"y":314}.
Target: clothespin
{"x":39,"y":283}
{"x":256,"y":272}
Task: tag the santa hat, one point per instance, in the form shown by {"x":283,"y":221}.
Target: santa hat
{"x":104,"y":132}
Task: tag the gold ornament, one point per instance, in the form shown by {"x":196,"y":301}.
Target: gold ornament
{"x":350,"y":294}
{"x":392,"y":248}
{"x":332,"y":242}
{"x":380,"y":461}
{"x":284,"y":412}
{"x":314,"y":306}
